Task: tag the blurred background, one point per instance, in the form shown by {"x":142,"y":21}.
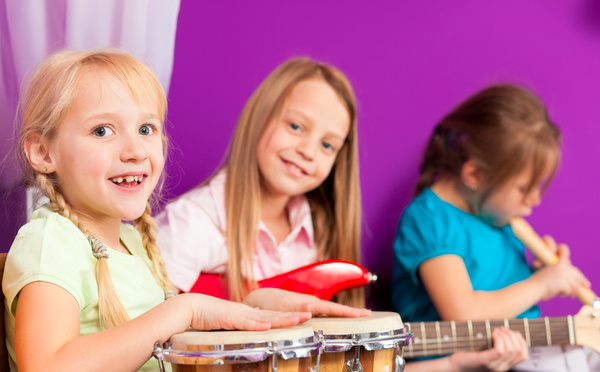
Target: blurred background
{"x":409,"y":63}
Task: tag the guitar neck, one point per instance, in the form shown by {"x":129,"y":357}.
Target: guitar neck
{"x":447,"y":337}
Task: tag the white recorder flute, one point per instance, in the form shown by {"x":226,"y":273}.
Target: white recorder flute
{"x":536,"y":245}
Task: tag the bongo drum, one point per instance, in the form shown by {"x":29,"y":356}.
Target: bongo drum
{"x":370,"y":344}
{"x":288,"y":349}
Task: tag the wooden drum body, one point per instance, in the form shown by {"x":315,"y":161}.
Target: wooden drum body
{"x":289,"y":349}
{"x":370,"y":344}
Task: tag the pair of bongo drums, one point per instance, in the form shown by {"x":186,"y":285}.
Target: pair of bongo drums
{"x":369,"y":344}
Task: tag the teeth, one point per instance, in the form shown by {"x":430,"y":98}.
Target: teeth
{"x":137,"y":179}
{"x":293,"y":166}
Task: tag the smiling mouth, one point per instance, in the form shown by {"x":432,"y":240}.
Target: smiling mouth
{"x":127,"y":181}
{"x":295,"y":167}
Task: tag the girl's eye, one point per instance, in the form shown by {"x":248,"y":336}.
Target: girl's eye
{"x":327,"y":146}
{"x":103,"y":131}
{"x":295,"y":127}
{"x":146,"y":130}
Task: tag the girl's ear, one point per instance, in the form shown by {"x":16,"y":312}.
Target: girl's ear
{"x":471,"y":175}
{"x":37,"y":151}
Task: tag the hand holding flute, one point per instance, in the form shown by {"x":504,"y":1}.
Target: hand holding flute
{"x":542,"y":251}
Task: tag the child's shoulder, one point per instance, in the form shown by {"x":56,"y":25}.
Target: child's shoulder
{"x":428,"y":203}
{"x":48,"y":230}
{"x":205,"y":202}
{"x":46,"y":221}
{"x":430,"y":212}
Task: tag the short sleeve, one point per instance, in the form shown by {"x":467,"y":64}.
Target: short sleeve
{"x":426,"y":231}
{"x":50,"y":249}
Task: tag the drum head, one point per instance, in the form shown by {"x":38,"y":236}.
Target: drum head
{"x":378,"y":321}
{"x":235,"y":347}
{"x":193,"y":337}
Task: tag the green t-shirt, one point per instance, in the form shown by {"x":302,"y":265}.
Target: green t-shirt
{"x":52,"y":249}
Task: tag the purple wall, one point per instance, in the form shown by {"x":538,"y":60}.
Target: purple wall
{"x":410,"y":62}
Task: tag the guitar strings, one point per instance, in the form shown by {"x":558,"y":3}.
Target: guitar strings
{"x":441,"y":342}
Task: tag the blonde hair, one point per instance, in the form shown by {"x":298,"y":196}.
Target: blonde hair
{"x":335,"y":204}
{"x":504,"y":129}
{"x":52,"y":90}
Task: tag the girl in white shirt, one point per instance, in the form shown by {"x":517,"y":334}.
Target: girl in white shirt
{"x":289,"y":187}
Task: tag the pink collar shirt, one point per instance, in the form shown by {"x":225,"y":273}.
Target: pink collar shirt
{"x":191,"y":236}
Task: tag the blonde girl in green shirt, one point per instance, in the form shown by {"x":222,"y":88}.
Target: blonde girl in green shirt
{"x":92,"y":137}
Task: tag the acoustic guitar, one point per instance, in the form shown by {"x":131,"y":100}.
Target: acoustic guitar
{"x":446,"y":337}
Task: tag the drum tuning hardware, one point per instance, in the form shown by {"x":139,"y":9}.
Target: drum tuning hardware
{"x":158,"y":354}
{"x":353,"y":365}
{"x":400,"y":364}
{"x":319,"y":339}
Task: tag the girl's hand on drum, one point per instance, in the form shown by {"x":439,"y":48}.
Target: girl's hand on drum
{"x":213,"y":313}
{"x":509,"y":349}
{"x":282,"y":300}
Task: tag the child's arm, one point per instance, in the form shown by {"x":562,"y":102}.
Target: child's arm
{"x":47,"y":329}
{"x":282,"y":300}
{"x":509,"y":349}
{"x":448,"y":284}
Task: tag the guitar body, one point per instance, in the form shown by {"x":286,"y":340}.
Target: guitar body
{"x":321,"y":279}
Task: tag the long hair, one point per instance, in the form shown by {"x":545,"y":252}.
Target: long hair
{"x":504,"y":129}
{"x":51,"y":93}
{"x":335,"y":204}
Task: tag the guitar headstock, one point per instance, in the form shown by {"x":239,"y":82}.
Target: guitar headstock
{"x":587,"y":327}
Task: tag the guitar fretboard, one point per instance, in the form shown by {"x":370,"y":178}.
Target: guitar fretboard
{"x":441,"y":338}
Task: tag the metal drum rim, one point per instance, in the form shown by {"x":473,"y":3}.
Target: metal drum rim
{"x":255,"y":352}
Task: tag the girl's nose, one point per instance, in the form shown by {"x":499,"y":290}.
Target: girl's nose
{"x":534,"y":198}
{"x":307,"y":149}
{"x":133,"y":149}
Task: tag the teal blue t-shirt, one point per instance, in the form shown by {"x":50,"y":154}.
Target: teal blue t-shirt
{"x":431,"y":227}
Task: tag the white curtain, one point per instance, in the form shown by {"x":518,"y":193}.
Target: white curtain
{"x":32,"y":29}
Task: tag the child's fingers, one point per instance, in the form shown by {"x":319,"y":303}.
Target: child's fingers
{"x":511,"y":348}
{"x":550,"y":243}
{"x":264,"y":320}
{"x":537,"y":264}
{"x":321,"y":307}
{"x":563,"y":252}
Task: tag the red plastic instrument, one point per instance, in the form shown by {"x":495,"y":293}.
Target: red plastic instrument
{"x":321,"y":279}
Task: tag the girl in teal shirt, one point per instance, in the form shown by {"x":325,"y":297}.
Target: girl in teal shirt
{"x":456,"y":257}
